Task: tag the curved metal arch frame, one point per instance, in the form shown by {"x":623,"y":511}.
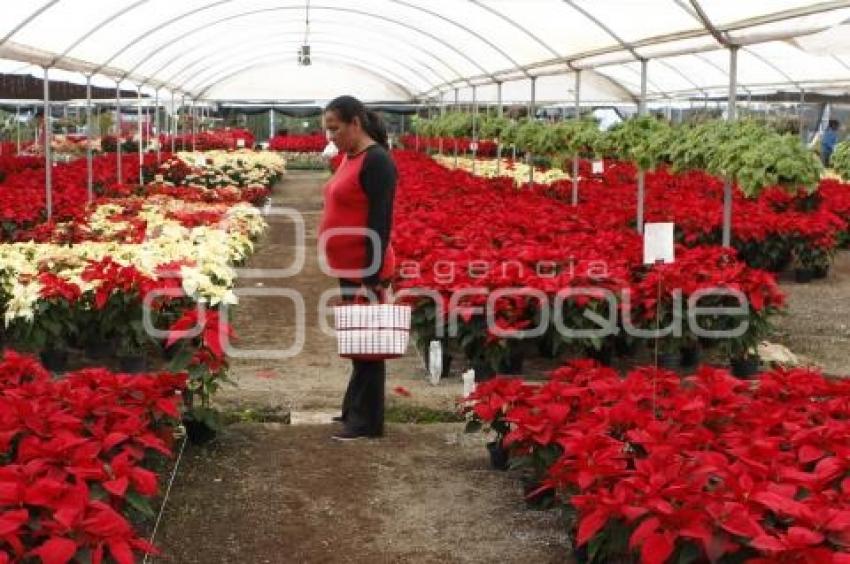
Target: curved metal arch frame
{"x":516,"y":25}
{"x":717,"y":67}
{"x":757,"y":20}
{"x":549,"y":48}
{"x":148,"y":33}
{"x":773,"y":17}
{"x":28,"y":20}
{"x":616,"y":37}
{"x":385,"y":74}
{"x":394,"y":38}
{"x":696,"y":12}
{"x":98,"y":27}
{"x":205,"y":88}
{"x":681,"y":75}
{"x":231,"y":17}
{"x":178,"y":75}
{"x":775,"y":68}
{"x":475,"y":34}
{"x":219,"y":67}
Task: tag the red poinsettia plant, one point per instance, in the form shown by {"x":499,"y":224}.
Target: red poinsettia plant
{"x":77,"y":460}
{"x":701,"y":468}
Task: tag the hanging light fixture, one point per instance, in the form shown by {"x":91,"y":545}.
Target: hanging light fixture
{"x":304,"y":58}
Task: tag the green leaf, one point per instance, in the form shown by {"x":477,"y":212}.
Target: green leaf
{"x":140,"y":503}
{"x":181,"y":360}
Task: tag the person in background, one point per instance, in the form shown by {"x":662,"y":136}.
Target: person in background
{"x":360,"y":195}
{"x":829,"y":140}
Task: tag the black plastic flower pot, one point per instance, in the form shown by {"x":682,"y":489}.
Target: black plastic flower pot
{"x":689,"y":357}
{"x":604,"y":356}
{"x":625,"y":348}
{"x":198,"y":432}
{"x":820,"y":272}
{"x":803,"y":275}
{"x":54,"y":360}
{"x":512,"y":364}
{"x":745,"y":367}
{"x":668,"y":360}
{"x":447,"y":365}
{"x":546,"y":346}
{"x":99,"y":350}
{"x":498,"y":455}
{"x":483,"y":370}
{"x":134,"y":364}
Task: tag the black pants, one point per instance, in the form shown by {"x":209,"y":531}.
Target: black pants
{"x":363,"y":405}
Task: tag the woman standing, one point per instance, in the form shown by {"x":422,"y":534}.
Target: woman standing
{"x":359,"y":201}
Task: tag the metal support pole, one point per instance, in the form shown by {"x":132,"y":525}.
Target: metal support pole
{"x":474,"y":127}
{"x":48,"y":153}
{"x":442,"y":103}
{"x":531,"y":107}
{"x":194,"y":125}
{"x":499,"y":112}
{"x":118,"y":149}
{"x":641,"y":187}
{"x":141,"y":135}
{"x":182,"y":122}
{"x":271,"y":123}
{"x":457,"y":98}
{"x":89,"y":127}
{"x":800,"y":116}
{"x":18,"y":128}
{"x":574,"y":200}
{"x":173,"y":124}
{"x":731,"y":114}
{"x":156,"y":127}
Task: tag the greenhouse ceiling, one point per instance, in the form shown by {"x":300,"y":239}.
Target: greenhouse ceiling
{"x":424,"y":50}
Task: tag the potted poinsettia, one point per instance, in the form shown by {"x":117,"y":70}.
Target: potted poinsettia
{"x":52,"y":321}
{"x":200,"y":337}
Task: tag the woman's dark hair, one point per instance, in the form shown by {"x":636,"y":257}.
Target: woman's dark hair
{"x":348,"y":107}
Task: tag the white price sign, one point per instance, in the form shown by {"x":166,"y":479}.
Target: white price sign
{"x":473,"y":147}
{"x":240,"y":143}
{"x":597,"y":167}
{"x":658,"y":245}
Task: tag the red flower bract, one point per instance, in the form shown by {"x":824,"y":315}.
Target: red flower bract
{"x":63,"y":441}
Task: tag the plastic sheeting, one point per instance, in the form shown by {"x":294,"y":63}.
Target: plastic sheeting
{"x":420,"y":49}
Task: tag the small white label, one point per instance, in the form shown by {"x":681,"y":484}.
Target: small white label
{"x":159,"y":178}
{"x":435,"y":362}
{"x":240,"y":143}
{"x":658,"y":243}
{"x":597,"y":167}
{"x":468,"y":378}
{"x":200,"y":162}
{"x":473,"y":147}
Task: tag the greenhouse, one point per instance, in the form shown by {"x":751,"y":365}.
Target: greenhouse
{"x":469,"y":281}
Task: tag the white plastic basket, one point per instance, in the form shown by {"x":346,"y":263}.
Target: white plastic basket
{"x":372,"y":332}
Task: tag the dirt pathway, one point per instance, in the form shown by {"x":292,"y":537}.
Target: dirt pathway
{"x":818,"y":322}
{"x":316,"y":378}
{"x":275,"y":493}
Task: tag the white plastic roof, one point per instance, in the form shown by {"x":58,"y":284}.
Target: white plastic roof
{"x":415,"y":49}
